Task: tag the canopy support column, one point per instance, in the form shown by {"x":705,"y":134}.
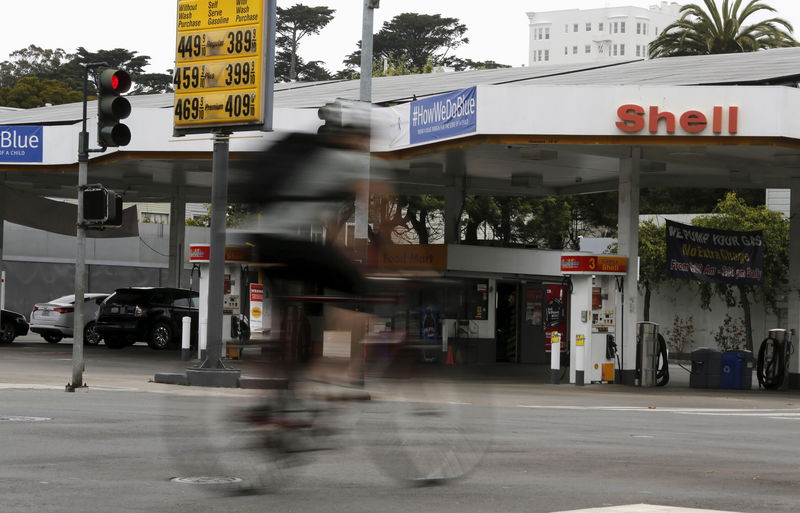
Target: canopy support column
{"x":628,"y":246}
{"x":793,"y":318}
{"x":177,"y":231}
{"x":456,"y":168}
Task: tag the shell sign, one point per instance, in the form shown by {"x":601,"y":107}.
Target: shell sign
{"x":593,"y":264}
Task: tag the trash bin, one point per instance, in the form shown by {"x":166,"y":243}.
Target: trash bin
{"x":647,"y":353}
{"x":706,"y":368}
{"x":737,"y":370}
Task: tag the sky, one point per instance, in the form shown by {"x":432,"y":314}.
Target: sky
{"x":497,"y":30}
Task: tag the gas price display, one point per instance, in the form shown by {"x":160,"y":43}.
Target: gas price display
{"x":220,"y":53}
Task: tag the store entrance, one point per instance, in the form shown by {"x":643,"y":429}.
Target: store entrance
{"x":532,"y":310}
{"x":506,"y":321}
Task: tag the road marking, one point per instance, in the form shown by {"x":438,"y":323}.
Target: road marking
{"x":645,"y":508}
{"x":775,"y":413}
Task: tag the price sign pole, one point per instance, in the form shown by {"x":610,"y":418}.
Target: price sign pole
{"x":224,"y":76}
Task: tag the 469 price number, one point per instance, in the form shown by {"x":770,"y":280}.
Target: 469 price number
{"x":216,"y":109}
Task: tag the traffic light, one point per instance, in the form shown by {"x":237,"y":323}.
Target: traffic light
{"x":111,"y":108}
{"x":344,"y":116}
{"x":102,"y":206}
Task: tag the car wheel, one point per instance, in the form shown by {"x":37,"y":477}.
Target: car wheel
{"x":115,"y":342}
{"x":7,"y":333}
{"x":90,"y":336}
{"x":161,"y":336}
{"x":52,"y":337}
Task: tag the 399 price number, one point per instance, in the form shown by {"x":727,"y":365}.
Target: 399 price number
{"x":232,"y":74}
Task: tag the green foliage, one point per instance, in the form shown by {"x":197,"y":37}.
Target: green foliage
{"x":704,"y":30}
{"x":681,"y":336}
{"x":682,"y":200}
{"x":730,"y":334}
{"x":398,"y":216}
{"x":652,"y":255}
{"x":293,"y":24}
{"x":411,"y":40}
{"x":32,"y":92}
{"x":732,"y":213}
{"x":468,"y":64}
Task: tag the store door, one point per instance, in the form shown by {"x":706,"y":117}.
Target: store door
{"x":532,"y":324}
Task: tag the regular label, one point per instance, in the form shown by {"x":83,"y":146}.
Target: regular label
{"x":215,"y":44}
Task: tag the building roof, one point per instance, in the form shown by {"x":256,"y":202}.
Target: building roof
{"x":768,"y":67}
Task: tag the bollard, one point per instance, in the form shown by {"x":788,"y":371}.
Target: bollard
{"x":2,"y":284}
{"x":555,"y":358}
{"x":201,"y":340}
{"x":186,"y":337}
{"x":579,"y":359}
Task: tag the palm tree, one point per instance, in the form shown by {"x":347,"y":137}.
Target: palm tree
{"x":708,"y":31}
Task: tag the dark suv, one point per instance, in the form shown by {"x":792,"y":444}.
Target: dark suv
{"x":146,"y":314}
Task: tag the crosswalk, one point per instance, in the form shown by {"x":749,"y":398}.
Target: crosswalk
{"x":644,"y":508}
{"x":769,"y":413}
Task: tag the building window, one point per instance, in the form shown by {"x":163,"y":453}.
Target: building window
{"x":600,"y":26}
{"x":574,"y":50}
{"x":637,"y":50}
{"x":566,"y":28}
{"x":638,"y":28}
{"x":566,"y":51}
{"x":615,"y":27}
{"x":622,"y":27}
{"x":588,"y":49}
{"x":540,"y":55}
{"x":155,"y":217}
{"x":588,"y":27}
{"x":547,"y":55}
{"x":615,"y":49}
{"x":575,"y":27}
{"x":547,"y":32}
{"x":622,"y":49}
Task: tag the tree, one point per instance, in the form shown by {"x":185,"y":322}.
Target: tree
{"x":293,"y":24}
{"x":32,"y":61}
{"x":311,"y":71}
{"x":413,"y":40}
{"x":713,"y":30}
{"x":32,"y":92}
{"x":652,"y":261}
{"x":733,"y":214}
{"x":459,"y":64}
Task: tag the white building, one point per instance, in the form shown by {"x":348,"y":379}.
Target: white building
{"x":607,"y":34}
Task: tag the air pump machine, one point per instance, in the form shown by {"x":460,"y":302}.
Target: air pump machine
{"x":593,"y":325}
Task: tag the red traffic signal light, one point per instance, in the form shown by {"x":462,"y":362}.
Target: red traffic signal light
{"x":111,"y":108}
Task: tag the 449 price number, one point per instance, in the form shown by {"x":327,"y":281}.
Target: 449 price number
{"x":217,"y":43}
{"x":215,"y":109}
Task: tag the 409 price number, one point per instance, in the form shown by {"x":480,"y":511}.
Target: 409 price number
{"x":230,"y":75}
{"x":217,"y":43}
{"x":216,"y":109}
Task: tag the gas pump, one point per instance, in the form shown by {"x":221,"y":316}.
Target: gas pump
{"x":593,"y":317}
{"x":236,"y":259}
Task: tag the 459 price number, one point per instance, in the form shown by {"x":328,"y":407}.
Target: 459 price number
{"x":230,"y":75}
{"x":216,"y":109}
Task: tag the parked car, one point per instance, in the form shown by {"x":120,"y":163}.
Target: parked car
{"x":54,"y":320}
{"x":146,"y":314}
{"x":12,"y":325}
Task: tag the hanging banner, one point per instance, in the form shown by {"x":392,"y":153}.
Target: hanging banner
{"x":715,"y":256}
{"x":444,"y":115}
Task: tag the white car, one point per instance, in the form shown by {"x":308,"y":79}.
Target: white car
{"x":54,"y":320}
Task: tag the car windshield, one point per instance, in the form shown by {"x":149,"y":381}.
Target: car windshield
{"x":128,"y":297}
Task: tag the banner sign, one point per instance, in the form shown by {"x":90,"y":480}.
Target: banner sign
{"x":21,"y":143}
{"x":444,"y":115}
{"x":715,"y":256}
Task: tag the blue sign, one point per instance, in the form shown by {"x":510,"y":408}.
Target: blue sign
{"x":444,"y":115}
{"x":21,"y":143}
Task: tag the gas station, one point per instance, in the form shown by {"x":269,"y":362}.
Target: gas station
{"x":720,"y":121}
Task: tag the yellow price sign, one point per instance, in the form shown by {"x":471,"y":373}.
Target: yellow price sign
{"x":232,"y":74}
{"x":216,"y":108}
{"x":580,"y":340}
{"x":215,"y":44}
{"x":203,"y":14}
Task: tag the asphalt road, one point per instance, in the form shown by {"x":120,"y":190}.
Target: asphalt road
{"x":117,"y":445}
